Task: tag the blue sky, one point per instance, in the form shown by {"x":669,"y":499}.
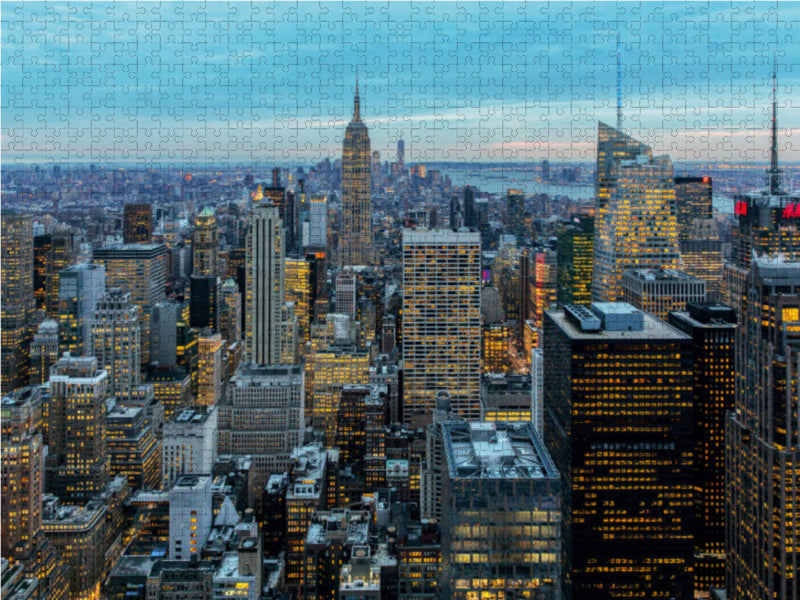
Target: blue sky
{"x":264,"y":83}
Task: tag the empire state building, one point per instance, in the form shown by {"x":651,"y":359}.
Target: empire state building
{"x":355,"y":243}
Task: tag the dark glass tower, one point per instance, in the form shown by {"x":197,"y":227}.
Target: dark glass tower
{"x":693,"y":201}
{"x":574,"y":256}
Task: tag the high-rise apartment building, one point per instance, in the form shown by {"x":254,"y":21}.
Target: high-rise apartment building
{"x":137,"y":224}
{"x":574,"y":255}
{"x":713,"y":331}
{"x":441,"y":322}
{"x":81,"y":287}
{"x":515,"y":203}
{"x":18,"y":305}
{"x":44,"y":351}
{"x":265,"y":285}
{"x":661,"y":291}
{"x":141,"y":271}
{"x":205,"y":262}
{"x":762,"y":439}
{"x":355,"y":241}
{"x":75,"y":421}
{"x":693,"y":201}
{"x":23,"y":470}
{"x":618,"y":424}
{"x":501,"y":517}
{"x":116,"y":342}
{"x":636,"y":223}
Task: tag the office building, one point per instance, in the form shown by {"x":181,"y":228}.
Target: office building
{"x":346,"y":296}
{"x":164,"y":332}
{"x":42,"y":255}
{"x":116,"y":342}
{"x":470,"y":220}
{"x":16,"y":312}
{"x":205,"y":262}
{"x":441,"y":322}
{"x":76,"y":411}
{"x":204,"y":302}
{"x":300,"y":290}
{"x":619,"y":426}
{"x":501,"y":517}
{"x":137,"y":224}
{"x":713,"y":331}
{"x":190,"y":443}
{"x":505,"y":397}
{"x":262,"y":416}
{"x":172,"y":387}
{"x":693,"y":201}
{"x":515,"y":203}
{"x":265,"y":289}
{"x":317,"y":237}
{"x":190,"y":515}
{"x":44,"y":351}
{"x":230,"y":317}
{"x":661,"y":291}
{"x":52,"y":253}
{"x":495,"y":339}
{"x":81,"y":287}
{"x":703,"y":258}
{"x":355,"y":239}
{"x":542,"y":286}
{"x":762,"y":455}
{"x":574,"y":254}
{"x":23,"y":453}
{"x":141,"y":271}
{"x":132,"y":447}
{"x":636,"y":224}
{"x":209,"y":368}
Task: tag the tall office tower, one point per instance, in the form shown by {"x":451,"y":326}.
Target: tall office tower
{"x":618,"y":424}
{"x":501,"y":517}
{"x":132,"y":447}
{"x":76,"y":414}
{"x":469,"y":208}
{"x":164,"y":320}
{"x":693,"y":201}
{"x":636,"y":225}
{"x":23,"y":471}
{"x":329,"y":370}
{"x":762,"y":455}
{"x":495,"y":339}
{"x":355,"y":241}
{"x":262,"y":416}
{"x":346,"y":295}
{"x":231,"y":314}
{"x":205,"y":262}
{"x":81,"y":287}
{"x":61,"y":255}
{"x":455,"y":217}
{"x":140,"y":270}
{"x":42,"y":255}
{"x":542,"y":288}
{"x":574,"y":254}
{"x":360,"y":416}
{"x":116,"y":342}
{"x":537,"y":391}
{"x":204,"y":302}
{"x":660,"y":291}
{"x":545,"y":170}
{"x":209,"y":368}
{"x":375,"y":176}
{"x":290,"y":349}
{"x":190,"y":515}
{"x":318,"y":224}
{"x":190,"y":443}
{"x":137,"y":226}
{"x":401,"y":152}
{"x":515,"y":203}
{"x":300,"y":290}
{"x":713,"y":331}
{"x":264,"y":291}
{"x":172,"y":387}
{"x":702,"y":258}
{"x":44,"y":351}
{"x":18,"y":305}
{"x":441,"y":322}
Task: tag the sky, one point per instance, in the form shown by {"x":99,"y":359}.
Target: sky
{"x":237,"y":83}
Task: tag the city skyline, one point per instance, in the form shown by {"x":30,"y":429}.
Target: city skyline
{"x":260,"y":83}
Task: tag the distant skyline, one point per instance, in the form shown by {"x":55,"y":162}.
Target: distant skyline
{"x":180,"y":84}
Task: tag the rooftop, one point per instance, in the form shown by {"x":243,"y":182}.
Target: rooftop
{"x":651,"y":328}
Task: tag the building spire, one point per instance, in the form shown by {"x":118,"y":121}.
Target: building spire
{"x":357,"y":103}
{"x":774,"y":172}
{"x":619,"y":89}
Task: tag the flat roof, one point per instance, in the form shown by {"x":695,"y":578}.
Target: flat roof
{"x":653,"y":329}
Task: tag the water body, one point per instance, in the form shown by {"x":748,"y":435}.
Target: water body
{"x":497,"y":181}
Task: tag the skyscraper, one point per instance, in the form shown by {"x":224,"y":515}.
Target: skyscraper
{"x":441,"y":322}
{"x":81,"y":288}
{"x":515,"y":202}
{"x":116,"y":342}
{"x":137,"y":224}
{"x":44,"y":351}
{"x":204,"y":245}
{"x":60,"y":256}
{"x":469,"y":208}
{"x":636,"y":222}
{"x":209,"y":368}
{"x":355,"y":242}
{"x":762,"y":437}
{"x":692,"y":201}
{"x":264,"y":288}
{"x":18,"y":300}
{"x":300,"y":290}
{"x":318,"y":224}
{"x":618,"y":424}
{"x":574,"y":257}
{"x":660,"y":291}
